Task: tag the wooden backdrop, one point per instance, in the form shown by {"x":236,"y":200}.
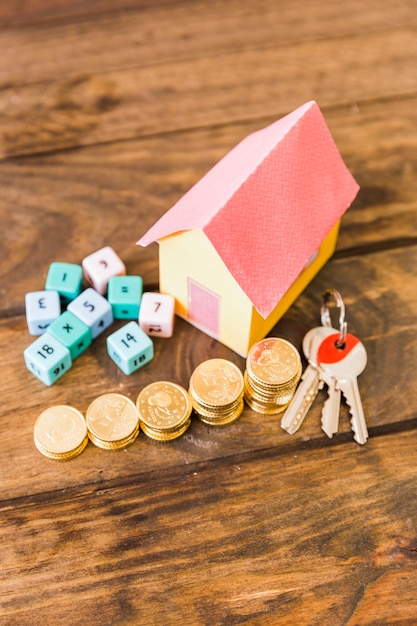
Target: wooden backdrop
{"x":109,"y":112}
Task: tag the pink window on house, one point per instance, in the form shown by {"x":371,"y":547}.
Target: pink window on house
{"x":203,"y":307}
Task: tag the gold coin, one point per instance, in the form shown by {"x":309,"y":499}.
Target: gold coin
{"x":60,"y":432}
{"x":165,"y":435}
{"x":273,"y":389}
{"x":112,"y":418}
{"x":273,"y":361}
{"x":114,"y":445}
{"x":64,"y":456}
{"x":216,"y":382}
{"x":266,"y":409}
{"x":163,"y":406}
{"x":216,"y":413}
{"x":215,"y":409}
{"x":224,"y":420}
{"x":257,"y":393}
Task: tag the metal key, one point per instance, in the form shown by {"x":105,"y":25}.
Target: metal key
{"x":345,"y":364}
{"x":311,"y":381}
{"x":331,"y":408}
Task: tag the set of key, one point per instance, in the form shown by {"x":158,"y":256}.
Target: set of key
{"x":335,"y":359}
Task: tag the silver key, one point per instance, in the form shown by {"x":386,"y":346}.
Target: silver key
{"x":310,"y":383}
{"x":303,"y":398}
{"x":312,"y":340}
{"x":331,"y":408}
{"x":345,"y":365}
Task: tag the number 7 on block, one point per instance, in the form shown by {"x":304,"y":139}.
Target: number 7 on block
{"x":156,"y":314}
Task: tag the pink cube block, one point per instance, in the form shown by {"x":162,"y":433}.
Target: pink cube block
{"x":100,"y":266}
{"x":156,"y":314}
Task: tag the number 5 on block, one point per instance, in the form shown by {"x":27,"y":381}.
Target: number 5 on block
{"x":156,"y":314}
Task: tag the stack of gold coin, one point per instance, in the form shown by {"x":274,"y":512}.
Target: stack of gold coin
{"x":164,"y":410}
{"x":112,"y":421}
{"x":273,"y":369}
{"x":216,"y":389}
{"x":60,"y":432}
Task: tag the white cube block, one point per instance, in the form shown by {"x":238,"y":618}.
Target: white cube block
{"x":42,"y":308}
{"x":93,"y":309}
{"x":156,"y":314}
{"x":100,"y":266}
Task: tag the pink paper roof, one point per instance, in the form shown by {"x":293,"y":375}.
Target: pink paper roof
{"x":268,"y":204}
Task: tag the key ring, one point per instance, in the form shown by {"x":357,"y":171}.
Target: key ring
{"x":332,"y":294}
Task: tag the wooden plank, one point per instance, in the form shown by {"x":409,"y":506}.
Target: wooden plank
{"x":381,"y":308}
{"x":62,"y":206}
{"x":33,"y":11}
{"x":319,"y":535}
{"x":244,"y":524}
{"x":136,"y":34}
{"x":91,"y":108}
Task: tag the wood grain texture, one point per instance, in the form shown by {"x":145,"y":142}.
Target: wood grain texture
{"x":108,"y":114}
{"x":72,"y":195}
{"x":104,"y":40}
{"x":207,"y":90}
{"x":379,"y":316}
{"x":259,"y":538}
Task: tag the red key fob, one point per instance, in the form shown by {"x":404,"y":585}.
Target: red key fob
{"x":329,"y":352}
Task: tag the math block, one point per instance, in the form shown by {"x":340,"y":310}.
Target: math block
{"x":73,"y":333}
{"x":100,"y":266}
{"x":156,"y":315}
{"x":130,"y":347}
{"x":65,"y":278}
{"x":93,"y":309}
{"x":47,"y":359}
{"x":42,"y":308}
{"x":124,"y":294}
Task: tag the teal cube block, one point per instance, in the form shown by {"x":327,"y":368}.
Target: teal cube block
{"x":65,"y":278}
{"x":130,"y":347}
{"x":47,"y":358}
{"x":71,"y":332}
{"x":124,"y":294}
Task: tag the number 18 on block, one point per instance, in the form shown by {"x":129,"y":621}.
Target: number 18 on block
{"x":47,"y":358}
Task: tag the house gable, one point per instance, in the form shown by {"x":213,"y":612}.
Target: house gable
{"x":189,"y":263}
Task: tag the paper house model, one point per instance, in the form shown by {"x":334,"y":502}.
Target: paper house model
{"x":240,"y":246}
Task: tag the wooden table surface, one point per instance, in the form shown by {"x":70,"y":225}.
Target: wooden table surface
{"x":109,"y":112}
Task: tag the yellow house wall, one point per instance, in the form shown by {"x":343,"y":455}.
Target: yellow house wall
{"x":191,"y":254}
